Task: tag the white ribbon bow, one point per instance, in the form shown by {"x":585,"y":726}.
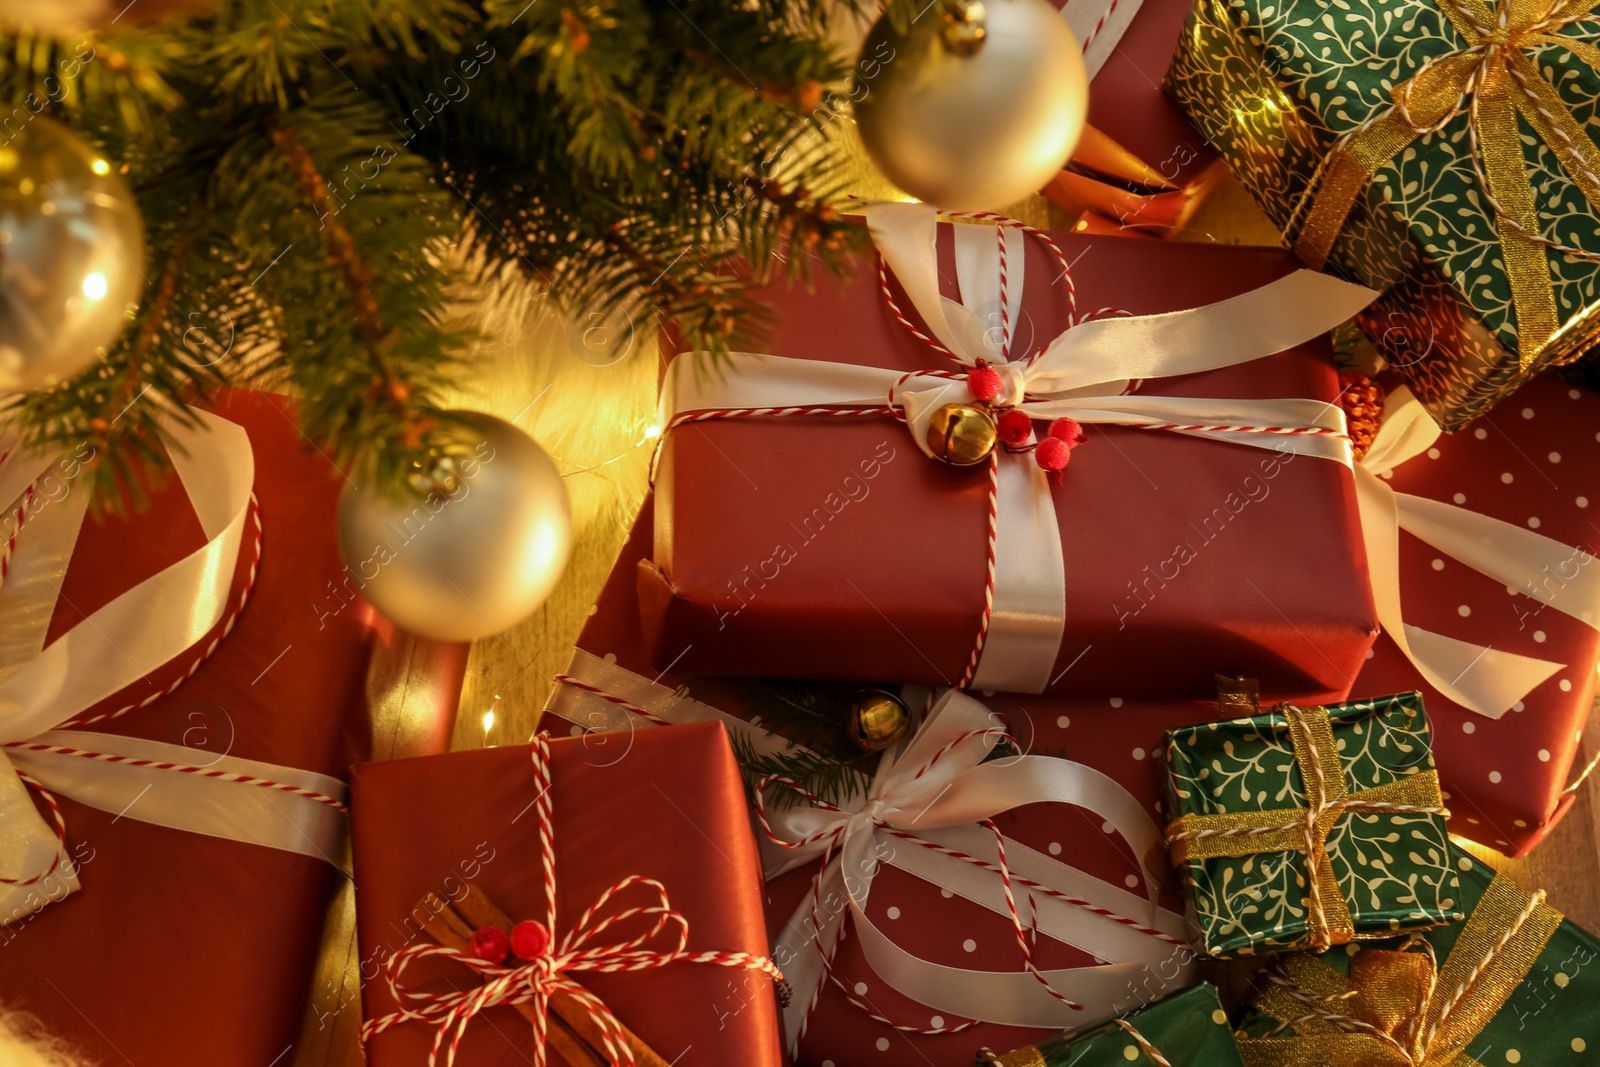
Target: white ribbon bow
{"x":934,"y":790}
{"x":1483,"y":679}
{"x":1084,"y":373}
{"x":146,"y":626}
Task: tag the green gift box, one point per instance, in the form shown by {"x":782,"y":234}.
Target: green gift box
{"x":1309,"y":827}
{"x":1188,"y":1029}
{"x":1514,"y":983}
{"x":1481,"y":233}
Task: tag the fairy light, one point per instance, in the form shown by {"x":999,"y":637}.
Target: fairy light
{"x":488,"y":716}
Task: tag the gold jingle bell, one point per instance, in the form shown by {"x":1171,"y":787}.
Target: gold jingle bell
{"x":877,"y":719}
{"x":961,"y":435}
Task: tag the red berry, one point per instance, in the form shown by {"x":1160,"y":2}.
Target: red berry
{"x":984,"y":382}
{"x":490,"y":943}
{"x":1069,"y":431}
{"x":1014,"y":427}
{"x":530,"y":939}
{"x":1052,"y":453}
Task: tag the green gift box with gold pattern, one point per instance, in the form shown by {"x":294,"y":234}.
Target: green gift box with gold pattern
{"x":1514,"y":983}
{"x":1188,"y":1029}
{"x":1439,"y":151}
{"x":1309,"y":827}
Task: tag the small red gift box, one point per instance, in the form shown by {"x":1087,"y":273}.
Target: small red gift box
{"x":666,"y":805}
{"x":791,"y":544}
{"x":1530,"y":464}
{"x":226,"y":930}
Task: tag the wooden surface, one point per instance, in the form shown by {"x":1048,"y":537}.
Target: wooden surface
{"x":594,"y":417}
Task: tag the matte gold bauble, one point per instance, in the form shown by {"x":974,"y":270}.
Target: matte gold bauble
{"x":977,"y":106}
{"x":961,"y":435}
{"x":71,"y":255}
{"x":475,"y":545}
{"x":877,"y":719}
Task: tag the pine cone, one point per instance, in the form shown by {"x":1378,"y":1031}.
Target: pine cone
{"x":1362,"y":401}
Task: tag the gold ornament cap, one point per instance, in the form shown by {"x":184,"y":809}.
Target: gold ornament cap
{"x":877,"y":719}
{"x":961,"y":434}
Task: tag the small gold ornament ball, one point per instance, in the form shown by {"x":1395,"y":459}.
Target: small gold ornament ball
{"x":877,"y":719}
{"x":961,"y":435}
{"x":71,"y":255}
{"x":475,"y":545}
{"x":975,"y":109}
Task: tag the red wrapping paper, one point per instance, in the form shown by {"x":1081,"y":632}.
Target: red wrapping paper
{"x":1117,"y":736}
{"x":890,"y":586}
{"x":182,"y":948}
{"x":1530,"y":462}
{"x":666,"y":804}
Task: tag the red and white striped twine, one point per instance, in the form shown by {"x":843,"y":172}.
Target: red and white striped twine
{"x":625,"y":705}
{"x":535,"y":981}
{"x":987,"y":615}
{"x":19,"y":518}
{"x":1100,"y":25}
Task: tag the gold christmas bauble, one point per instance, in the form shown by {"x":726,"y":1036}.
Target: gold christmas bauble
{"x":71,"y":255}
{"x":961,"y":435}
{"x":975,"y":109}
{"x":472,"y":546}
{"x":877,"y":719}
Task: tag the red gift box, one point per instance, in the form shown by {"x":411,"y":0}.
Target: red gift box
{"x":666,"y":805}
{"x":1530,"y":464}
{"x":226,"y":931}
{"x":611,"y":686}
{"x":818,"y":546}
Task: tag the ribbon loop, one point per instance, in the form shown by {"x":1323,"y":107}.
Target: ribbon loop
{"x":1485,"y":680}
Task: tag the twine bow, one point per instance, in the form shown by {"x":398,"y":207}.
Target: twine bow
{"x":1328,"y":800}
{"x":1398,"y":1008}
{"x":581,"y":948}
{"x":1494,"y":71}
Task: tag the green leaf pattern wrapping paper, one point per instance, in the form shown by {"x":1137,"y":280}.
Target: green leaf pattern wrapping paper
{"x":1552,"y":1019}
{"x":1190,"y":1029}
{"x":1392,"y":868}
{"x":1273,"y":83}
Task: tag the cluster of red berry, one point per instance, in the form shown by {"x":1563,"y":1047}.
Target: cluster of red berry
{"x":1014,"y":426}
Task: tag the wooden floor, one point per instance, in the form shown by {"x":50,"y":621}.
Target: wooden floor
{"x":591,"y":404}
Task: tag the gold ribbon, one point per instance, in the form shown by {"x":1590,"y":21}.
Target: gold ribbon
{"x":1250,"y":833}
{"x":1033,"y":1055}
{"x":1503,"y":82}
{"x":1397,"y":1009}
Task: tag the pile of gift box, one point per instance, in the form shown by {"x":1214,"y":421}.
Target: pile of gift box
{"x":1165,"y":637}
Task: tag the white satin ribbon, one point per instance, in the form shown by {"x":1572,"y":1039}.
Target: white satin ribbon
{"x":1483,"y":679}
{"x":1099,"y":25}
{"x":942,"y":807}
{"x":1082,"y":373}
{"x":137,"y":632}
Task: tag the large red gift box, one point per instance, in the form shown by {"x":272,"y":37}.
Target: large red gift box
{"x":181,"y":948}
{"x":667,"y":805}
{"x":1530,"y":463}
{"x":819,"y":546}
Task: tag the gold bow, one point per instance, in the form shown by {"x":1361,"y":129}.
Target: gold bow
{"x":1495,"y":71}
{"x":1249,"y":833}
{"x":1397,"y":1009}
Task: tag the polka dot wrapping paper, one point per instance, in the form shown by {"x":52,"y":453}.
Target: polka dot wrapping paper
{"x":1531,"y":462}
{"x":1189,"y":1029}
{"x":1534,"y":1000}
